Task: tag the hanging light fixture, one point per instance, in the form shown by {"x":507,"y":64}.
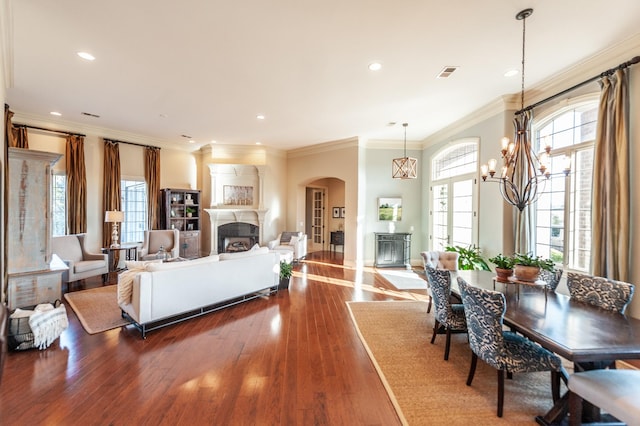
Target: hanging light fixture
{"x":523,"y":171}
{"x":405,"y":167}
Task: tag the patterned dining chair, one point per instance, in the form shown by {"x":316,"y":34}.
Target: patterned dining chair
{"x":439,"y":260}
{"x":602,"y":292}
{"x":552,"y":278}
{"x":505,"y":351}
{"x":448,"y":316}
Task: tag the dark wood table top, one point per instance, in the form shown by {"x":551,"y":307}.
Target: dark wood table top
{"x":576,"y":331}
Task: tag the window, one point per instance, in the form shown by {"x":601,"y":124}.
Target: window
{"x":134,"y":205}
{"x":453,"y":196}
{"x":563,"y":211}
{"x":59,"y":204}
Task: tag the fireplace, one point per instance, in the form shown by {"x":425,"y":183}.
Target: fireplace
{"x":237,"y":236}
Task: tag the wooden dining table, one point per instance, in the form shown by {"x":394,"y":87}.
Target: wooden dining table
{"x":588,"y":336}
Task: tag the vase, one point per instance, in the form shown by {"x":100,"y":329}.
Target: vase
{"x":526,"y":273}
{"x":503,"y":274}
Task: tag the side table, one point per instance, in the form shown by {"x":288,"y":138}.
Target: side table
{"x":130,"y":253}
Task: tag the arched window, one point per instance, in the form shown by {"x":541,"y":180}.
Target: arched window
{"x":454,"y":221}
{"x":563,"y":211}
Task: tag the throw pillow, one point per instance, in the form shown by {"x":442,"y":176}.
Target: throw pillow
{"x":285,"y":237}
{"x":293,"y":241}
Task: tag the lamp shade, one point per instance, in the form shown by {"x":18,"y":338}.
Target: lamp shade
{"x":113,"y":216}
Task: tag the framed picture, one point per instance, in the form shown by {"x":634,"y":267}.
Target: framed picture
{"x":390,"y":209}
{"x":336,"y":212}
{"x":342,"y":212}
{"x":234,"y":195}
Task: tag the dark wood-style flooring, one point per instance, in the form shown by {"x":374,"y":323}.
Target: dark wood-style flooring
{"x":290,"y":359}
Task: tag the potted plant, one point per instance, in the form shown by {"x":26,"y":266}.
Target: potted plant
{"x":286,"y":269}
{"x":504,"y":266}
{"x":527,"y":266}
{"x":469,"y":258}
{"x":190,"y":211}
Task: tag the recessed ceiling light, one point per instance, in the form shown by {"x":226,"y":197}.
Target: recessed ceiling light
{"x":192,"y":141}
{"x":511,"y":72}
{"x":260,"y":117}
{"x":258,"y":143}
{"x":375,"y":66}
{"x":87,"y":56}
{"x":56,"y":113}
{"x":214,"y":142}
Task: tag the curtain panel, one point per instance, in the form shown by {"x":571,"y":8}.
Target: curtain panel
{"x":20,"y":137}
{"x":111,"y":196}
{"x":76,"y":185}
{"x":152,"y":177}
{"x":611,"y":187}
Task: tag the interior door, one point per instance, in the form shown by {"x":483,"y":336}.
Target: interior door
{"x":316,"y":242}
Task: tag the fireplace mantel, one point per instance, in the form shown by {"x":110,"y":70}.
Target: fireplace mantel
{"x":222,"y":216}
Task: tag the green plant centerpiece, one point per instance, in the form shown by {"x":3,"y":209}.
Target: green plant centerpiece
{"x":191,"y":211}
{"x":504,"y":266}
{"x":469,"y":258}
{"x":286,"y":270}
{"x":527,"y":266}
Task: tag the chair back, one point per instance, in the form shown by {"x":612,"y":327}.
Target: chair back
{"x":440,"y":284}
{"x":552,"y":278}
{"x":440,"y":260}
{"x":484,"y":310}
{"x":602,"y":292}
{"x":158,"y":238}
{"x":67,"y":247}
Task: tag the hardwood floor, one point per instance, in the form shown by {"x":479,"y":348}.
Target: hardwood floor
{"x":293,"y":358}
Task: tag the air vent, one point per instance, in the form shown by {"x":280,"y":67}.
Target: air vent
{"x":186,"y":136}
{"x":446,"y":72}
{"x":88,"y":114}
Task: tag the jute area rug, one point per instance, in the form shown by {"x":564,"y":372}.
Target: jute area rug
{"x":427,"y":390}
{"x":97,"y":308}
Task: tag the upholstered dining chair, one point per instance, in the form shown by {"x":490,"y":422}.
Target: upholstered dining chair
{"x":505,"y":351}
{"x":602,"y":292}
{"x":448,"y":316}
{"x":439,"y":260}
{"x":551,"y":278}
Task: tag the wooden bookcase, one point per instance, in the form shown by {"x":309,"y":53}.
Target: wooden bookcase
{"x":180,"y":209}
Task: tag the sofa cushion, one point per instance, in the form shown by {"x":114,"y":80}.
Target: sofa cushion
{"x":138,"y":264}
{"x":153,"y":267}
{"x":285,"y":237}
{"x":87,"y":265}
{"x":241,"y":254}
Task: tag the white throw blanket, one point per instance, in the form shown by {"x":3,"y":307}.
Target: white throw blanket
{"x":47,"y":323}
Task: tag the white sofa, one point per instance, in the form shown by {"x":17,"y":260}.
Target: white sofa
{"x":293,"y":242}
{"x":152,"y":294}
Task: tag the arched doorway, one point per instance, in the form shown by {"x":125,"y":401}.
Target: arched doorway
{"x":324,"y":212}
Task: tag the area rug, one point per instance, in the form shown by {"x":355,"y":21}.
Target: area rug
{"x":427,"y":390}
{"x":97,"y":308}
{"x":404,"y":279}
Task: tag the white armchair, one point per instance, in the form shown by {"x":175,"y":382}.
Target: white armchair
{"x":169,"y":239}
{"x":293,"y":242}
{"x":82,"y":264}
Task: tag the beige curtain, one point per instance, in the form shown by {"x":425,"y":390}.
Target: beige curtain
{"x":76,"y":185}
{"x":20,"y":137}
{"x":611,"y":211}
{"x":152,"y":177}
{"x":8,"y":127}
{"x":111,"y":197}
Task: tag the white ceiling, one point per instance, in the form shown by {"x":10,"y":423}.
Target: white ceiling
{"x":206,"y":68}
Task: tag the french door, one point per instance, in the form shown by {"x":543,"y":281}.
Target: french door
{"x":317,"y":220}
{"x":454,"y":219}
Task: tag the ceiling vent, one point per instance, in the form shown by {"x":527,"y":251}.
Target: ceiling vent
{"x":446,"y":72}
{"x":88,"y":114}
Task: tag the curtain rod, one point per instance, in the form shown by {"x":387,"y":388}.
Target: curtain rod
{"x":49,"y":130}
{"x":131,"y":143}
{"x":606,"y":73}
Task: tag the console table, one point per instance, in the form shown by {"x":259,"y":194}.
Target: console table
{"x":393,"y":250}
{"x":337,"y":239}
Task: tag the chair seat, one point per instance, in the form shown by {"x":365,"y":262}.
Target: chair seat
{"x":615,"y":391}
{"x":522,"y":355}
{"x":88,"y":265}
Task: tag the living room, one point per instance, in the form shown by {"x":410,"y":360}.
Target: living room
{"x":357,"y":168}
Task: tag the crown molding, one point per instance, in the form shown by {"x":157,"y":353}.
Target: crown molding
{"x":353,"y":142}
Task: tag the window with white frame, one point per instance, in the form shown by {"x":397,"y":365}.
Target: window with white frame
{"x":134,"y":205}
{"x":454,"y":221}
{"x":59,"y":204}
{"x":563,"y":211}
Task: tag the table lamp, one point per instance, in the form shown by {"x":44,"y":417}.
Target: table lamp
{"x":115,"y":217}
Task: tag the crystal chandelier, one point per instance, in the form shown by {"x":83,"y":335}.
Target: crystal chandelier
{"x":405,"y":167}
{"x":523,"y":171}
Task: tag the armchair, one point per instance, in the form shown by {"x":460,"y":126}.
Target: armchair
{"x":169,"y":239}
{"x":82,"y":264}
{"x":294,"y":242}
